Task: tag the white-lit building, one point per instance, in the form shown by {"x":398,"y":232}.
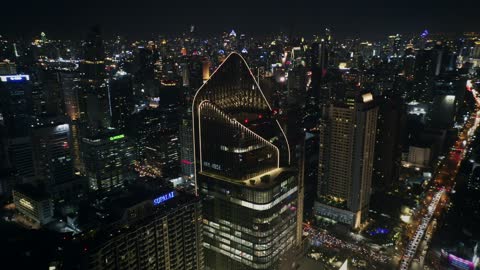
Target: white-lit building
{"x":34,"y":204}
{"x":347,"y":141}
{"x":419,"y":156}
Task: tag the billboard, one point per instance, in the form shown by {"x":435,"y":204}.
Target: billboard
{"x":14,"y":78}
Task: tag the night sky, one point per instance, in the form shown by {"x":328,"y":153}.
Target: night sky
{"x":145,"y":19}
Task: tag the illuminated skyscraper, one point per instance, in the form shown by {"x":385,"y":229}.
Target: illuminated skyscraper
{"x":51,"y":149}
{"x":121,"y":100}
{"x":242,"y":159}
{"x":347,"y":140}
{"x":186,"y":147}
{"x":16,"y":114}
{"x":146,"y":229}
{"x":108,"y":160}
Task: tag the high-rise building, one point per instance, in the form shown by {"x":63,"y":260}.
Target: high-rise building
{"x":70,"y":83}
{"x":51,"y":149}
{"x":154,"y":229}
{"x":16,"y":114}
{"x":20,"y":156}
{"x":108,"y":161}
{"x":423,"y":74}
{"x":393,"y":48}
{"x":248,"y":190}
{"x":53,"y":161}
{"x":319,"y":57}
{"x":347,"y":141}
{"x":155,"y":130}
{"x":310,"y":170}
{"x":195,"y":72}
{"x":186,"y":147}
{"x":50,"y":86}
{"x":16,"y":104}
{"x":93,"y":91}
{"x":388,"y":149}
{"x":121,"y":100}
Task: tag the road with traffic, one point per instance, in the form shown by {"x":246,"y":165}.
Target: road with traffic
{"x":438,"y":189}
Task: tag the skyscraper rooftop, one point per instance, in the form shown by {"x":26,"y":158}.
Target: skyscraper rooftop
{"x":235,"y":127}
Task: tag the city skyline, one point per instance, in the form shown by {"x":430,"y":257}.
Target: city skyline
{"x":240,"y":136}
{"x":144,"y":19}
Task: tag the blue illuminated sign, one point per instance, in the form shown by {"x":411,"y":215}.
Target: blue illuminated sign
{"x":424,"y":34}
{"x":163,"y":198}
{"x":15,"y":78}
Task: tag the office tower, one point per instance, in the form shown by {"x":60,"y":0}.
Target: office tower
{"x":53,"y":162}
{"x":295,"y":103}
{"x":145,"y":61}
{"x":186,"y":146}
{"x":185,"y":74}
{"x":297,"y":85}
{"x":108,"y":161}
{"x":194,"y":72}
{"x":409,"y":63}
{"x":206,"y":69}
{"x":52,"y":95}
{"x":121,"y":100}
{"x":70,"y":85}
{"x":444,"y":59}
{"x":156,"y":133}
{"x":388,"y":149}
{"x":16,"y":115}
{"x":198,"y":71}
{"x":347,"y":140}
{"x":394,"y":46}
{"x":318,"y":92}
{"x":442,"y":112}
{"x":146,"y":229}
{"x":16,"y":103}
{"x":51,"y":149}
{"x":448,"y":101}
{"x":20,"y":156}
{"x":319,"y":57}
{"x":93,"y":65}
{"x":242,"y":156}
{"x":423,"y":74}
{"x":93,"y":96}
{"x":310,"y":170}
{"x":163,"y":154}
{"x":366,"y":50}
{"x":76,"y":142}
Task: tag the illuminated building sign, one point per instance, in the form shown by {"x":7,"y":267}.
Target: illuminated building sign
{"x":15,"y":78}
{"x":168,"y":83}
{"x":367,"y":97}
{"x":424,"y":34}
{"x":62,"y":127}
{"x":186,"y":162}
{"x":163,"y":198}
{"x":117,"y":137}
{"x":26,"y":204}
